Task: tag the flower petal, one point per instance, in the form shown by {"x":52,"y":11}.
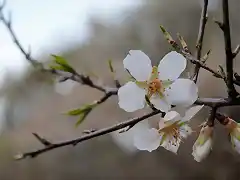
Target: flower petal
{"x":191,"y":112}
{"x":182,"y":92}
{"x":138,"y":64}
{"x":172,"y":115}
{"x":170,"y":118}
{"x":131,"y":97}
{"x":147,"y":140}
{"x":171,"y":144}
{"x":171,"y":66}
{"x":200,"y":152}
{"x":160,"y":103}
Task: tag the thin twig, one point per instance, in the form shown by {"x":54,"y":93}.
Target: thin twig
{"x":203,"y":22}
{"x":228,"y":50}
{"x":216,"y":74}
{"x":42,"y":140}
{"x":220,"y":24}
{"x":236,"y":51}
{"x":106,"y":96}
{"x":87,"y":136}
{"x":8,"y":24}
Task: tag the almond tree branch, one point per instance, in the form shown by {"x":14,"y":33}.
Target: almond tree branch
{"x":86,"y":137}
{"x":203,"y":22}
{"x":228,"y":50}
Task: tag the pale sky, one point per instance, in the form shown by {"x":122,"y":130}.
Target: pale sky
{"x":46,"y":25}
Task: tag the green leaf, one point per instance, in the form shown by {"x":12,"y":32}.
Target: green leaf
{"x":60,"y":60}
{"x":57,"y":67}
{"x":83,"y":117}
{"x":63,"y":64}
{"x":76,"y":112}
{"x":81,"y":110}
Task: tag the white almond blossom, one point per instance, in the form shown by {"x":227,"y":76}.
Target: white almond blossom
{"x":234,"y":130}
{"x":203,"y":145}
{"x":169,"y":134}
{"x":64,"y":88}
{"x":160,"y":84}
{"x":125,"y":139}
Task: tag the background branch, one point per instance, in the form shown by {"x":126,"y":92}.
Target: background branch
{"x":203,"y":22}
{"x":228,"y":50}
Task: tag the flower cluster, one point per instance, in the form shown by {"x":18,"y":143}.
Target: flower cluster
{"x":163,"y":88}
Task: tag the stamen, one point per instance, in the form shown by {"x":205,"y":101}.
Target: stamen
{"x":173,"y":132}
{"x":155,"y":86}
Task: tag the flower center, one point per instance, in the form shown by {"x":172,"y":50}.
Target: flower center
{"x":154,"y":86}
{"x":172,"y":131}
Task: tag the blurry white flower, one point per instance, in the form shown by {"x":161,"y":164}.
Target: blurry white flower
{"x":172,"y":129}
{"x":125,"y":140}
{"x":234,"y":130}
{"x":203,"y":145}
{"x":64,"y":88}
{"x":160,"y":84}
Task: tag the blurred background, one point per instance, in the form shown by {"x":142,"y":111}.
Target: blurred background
{"x":87,"y":34}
